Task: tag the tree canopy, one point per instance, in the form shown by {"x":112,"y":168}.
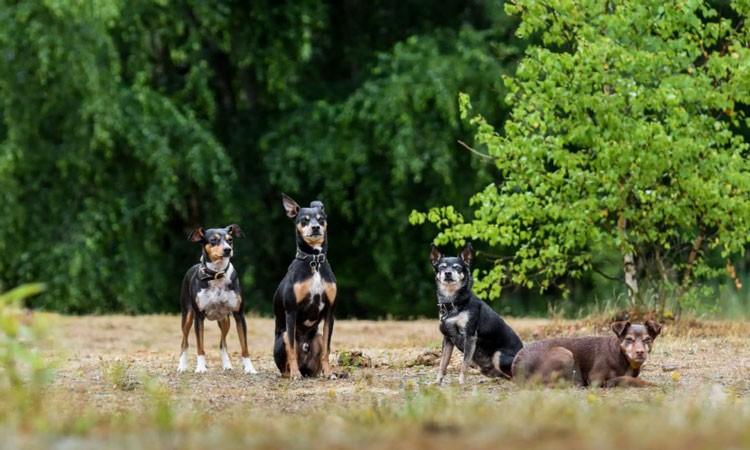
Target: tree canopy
{"x":625,"y":143}
{"x":123,"y":125}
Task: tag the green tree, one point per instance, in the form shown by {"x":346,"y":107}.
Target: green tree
{"x":94,"y":166}
{"x":624,"y":142}
{"x":125,"y":124}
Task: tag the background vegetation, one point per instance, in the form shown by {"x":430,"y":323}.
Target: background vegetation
{"x":123,"y":125}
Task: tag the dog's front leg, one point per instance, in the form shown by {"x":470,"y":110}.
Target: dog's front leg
{"x":247,"y":365}
{"x":627,"y":381}
{"x":199,"y":333}
{"x":291,"y":346}
{"x":444,"y":359}
{"x":327,"y":333}
{"x":469,"y":346}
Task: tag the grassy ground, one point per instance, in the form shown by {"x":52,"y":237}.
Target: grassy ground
{"x":115,"y":386}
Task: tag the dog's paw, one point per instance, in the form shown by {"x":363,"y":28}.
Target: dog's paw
{"x":201,"y":366}
{"x":226,"y":364}
{"x":182,"y":365}
{"x":248,"y":366}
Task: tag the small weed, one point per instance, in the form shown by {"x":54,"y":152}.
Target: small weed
{"x":118,"y":374}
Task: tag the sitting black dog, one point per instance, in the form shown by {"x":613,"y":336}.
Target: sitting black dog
{"x":469,"y":323}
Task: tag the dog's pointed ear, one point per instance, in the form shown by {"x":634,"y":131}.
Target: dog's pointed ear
{"x":290,"y":206}
{"x":466,"y":254}
{"x":435,"y":254}
{"x":197,"y":235}
{"x":620,"y":327}
{"x":653,"y":328}
{"x":235,"y":230}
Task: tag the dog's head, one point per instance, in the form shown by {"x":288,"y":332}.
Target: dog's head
{"x":310,"y":223}
{"x":636,"y":340}
{"x":452,"y":273}
{"x":217,"y":242}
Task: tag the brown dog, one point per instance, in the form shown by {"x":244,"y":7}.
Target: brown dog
{"x":589,"y":361}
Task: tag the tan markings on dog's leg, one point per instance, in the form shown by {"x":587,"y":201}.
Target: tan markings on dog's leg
{"x":330,"y":290}
{"x":242,"y":334}
{"x":201,"y":333}
{"x":291,"y":357}
{"x":445,"y":358}
{"x":325,"y":352}
{"x":186,"y":326}
{"x":224,"y":325}
{"x":200,"y":367}
{"x":319,"y":342}
{"x":301,"y":290}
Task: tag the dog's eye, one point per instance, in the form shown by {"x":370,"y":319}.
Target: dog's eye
{"x":647,"y":340}
{"x":442,"y":266}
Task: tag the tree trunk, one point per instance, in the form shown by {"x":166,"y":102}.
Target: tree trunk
{"x":631,"y":281}
{"x":628,"y":260}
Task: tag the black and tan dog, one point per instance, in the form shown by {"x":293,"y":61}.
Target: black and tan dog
{"x":467,"y":322}
{"x":211,"y":290}
{"x":305,"y":297}
{"x":606,"y":361}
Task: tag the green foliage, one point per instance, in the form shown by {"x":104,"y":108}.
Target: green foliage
{"x":125,"y":124}
{"x":94,"y":169}
{"x":387,"y":148}
{"x":24,"y":372}
{"x":624,"y":138}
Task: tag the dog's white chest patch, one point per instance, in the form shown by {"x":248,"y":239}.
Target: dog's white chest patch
{"x":459,"y":320}
{"x":317,"y":289}
{"x":217,"y":300}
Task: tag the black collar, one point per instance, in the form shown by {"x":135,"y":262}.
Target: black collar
{"x":445,"y":308}
{"x":206,"y":274}
{"x":314,"y":260}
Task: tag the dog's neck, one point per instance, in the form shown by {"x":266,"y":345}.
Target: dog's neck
{"x":454,"y":296}
{"x":221,"y":265}
{"x":305,"y":248}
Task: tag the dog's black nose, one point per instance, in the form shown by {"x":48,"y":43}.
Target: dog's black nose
{"x":316,"y":229}
{"x":227,"y":251}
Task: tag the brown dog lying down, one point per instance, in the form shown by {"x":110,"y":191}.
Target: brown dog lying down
{"x":589,"y":361}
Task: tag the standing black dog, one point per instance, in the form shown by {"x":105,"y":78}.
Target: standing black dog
{"x":467,"y":322}
{"x":305,"y":297}
{"x":211,"y":290}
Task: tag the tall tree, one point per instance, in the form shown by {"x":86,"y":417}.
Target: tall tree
{"x":624,"y":141}
{"x":94,"y":167}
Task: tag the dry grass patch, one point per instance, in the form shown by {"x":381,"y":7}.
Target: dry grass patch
{"x":116,"y":386}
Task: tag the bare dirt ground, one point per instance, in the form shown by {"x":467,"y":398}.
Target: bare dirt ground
{"x":102,"y":361}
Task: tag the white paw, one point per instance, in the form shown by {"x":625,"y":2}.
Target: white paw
{"x":225,"y":363}
{"x":182,"y":366}
{"x":201,"y":366}
{"x":248,"y":366}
